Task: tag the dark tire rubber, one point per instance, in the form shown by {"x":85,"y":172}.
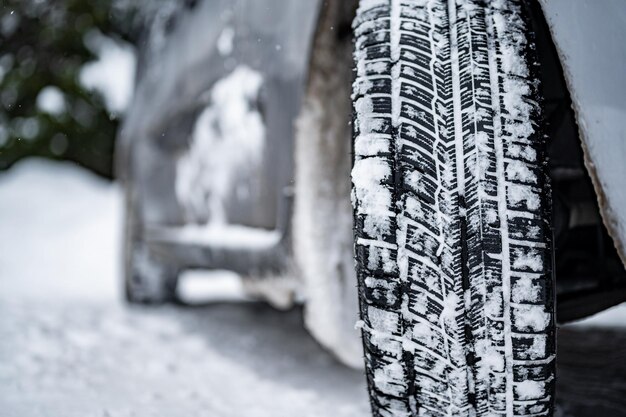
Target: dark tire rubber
{"x":452,"y":210}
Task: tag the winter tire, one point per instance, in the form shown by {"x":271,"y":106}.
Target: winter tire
{"x":451,"y":204}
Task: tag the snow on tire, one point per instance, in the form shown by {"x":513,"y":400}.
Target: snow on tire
{"x":451,"y":204}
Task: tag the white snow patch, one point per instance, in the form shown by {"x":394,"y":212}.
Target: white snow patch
{"x":386,"y":379}
{"x":515,"y":91}
{"x":382,"y":320}
{"x":51,"y":100}
{"x":538,"y":348}
{"x":614,"y":317}
{"x":518,"y":170}
{"x":218,"y":235}
{"x":378,"y":67}
{"x":491,"y":360}
{"x":60,"y":227}
{"x":531,"y":317}
{"x":525,"y":290}
{"x":227,"y":147}
{"x":367,"y":176}
{"x":530,"y":390}
{"x":225,"y":42}
{"x":197,"y":286}
{"x":519,"y":193}
{"x":522,"y":151}
{"x":113,"y":73}
{"x":380,"y":258}
{"x":530,"y":259}
{"x":491,"y":215}
{"x":370,"y":4}
{"x":494,"y":305}
{"x":371,"y":145}
{"x":381,"y":289}
{"x":450,"y":307}
{"x":423,"y":333}
{"x":395,"y":24}
{"x":512,"y":60}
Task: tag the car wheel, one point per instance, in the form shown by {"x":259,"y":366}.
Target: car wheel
{"x":452,"y":210}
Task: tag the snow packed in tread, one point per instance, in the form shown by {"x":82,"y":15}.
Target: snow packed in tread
{"x":451,"y":205}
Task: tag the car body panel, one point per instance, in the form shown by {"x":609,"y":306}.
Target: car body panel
{"x":589,"y":37}
{"x":175,"y":78}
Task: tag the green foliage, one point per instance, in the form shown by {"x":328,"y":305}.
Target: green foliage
{"x":42,"y":45}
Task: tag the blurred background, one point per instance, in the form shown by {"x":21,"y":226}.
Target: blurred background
{"x":67,"y":73}
{"x":69,"y":345}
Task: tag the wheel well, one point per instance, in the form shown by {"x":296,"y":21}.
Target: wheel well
{"x":589,"y":273}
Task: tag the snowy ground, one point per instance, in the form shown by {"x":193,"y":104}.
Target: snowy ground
{"x":70,"y":347}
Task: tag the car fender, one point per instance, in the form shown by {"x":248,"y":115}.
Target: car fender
{"x":589,"y":38}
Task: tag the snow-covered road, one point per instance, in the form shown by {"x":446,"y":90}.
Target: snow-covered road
{"x":78,"y":359}
{"x":70,"y":347}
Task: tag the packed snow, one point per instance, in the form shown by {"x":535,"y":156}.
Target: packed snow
{"x":71,"y":347}
{"x":214,"y":168}
{"x":218,"y":236}
{"x":612,"y":318}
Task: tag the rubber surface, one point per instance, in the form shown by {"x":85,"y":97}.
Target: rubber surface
{"x":452,"y":231}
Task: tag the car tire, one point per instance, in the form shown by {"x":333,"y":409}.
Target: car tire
{"x":452,"y":214}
